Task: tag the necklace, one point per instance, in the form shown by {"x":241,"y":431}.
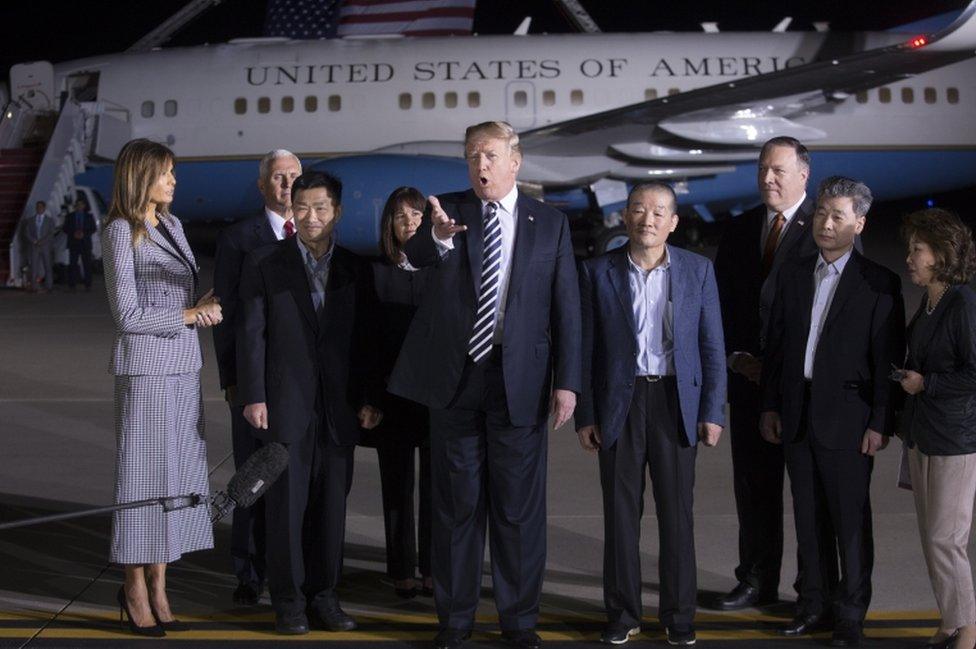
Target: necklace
{"x":930,"y":306}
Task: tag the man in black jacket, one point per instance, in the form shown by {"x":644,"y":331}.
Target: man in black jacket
{"x":79,"y":226}
{"x":277,"y":171}
{"x":837,"y":326}
{"x":306,"y":372}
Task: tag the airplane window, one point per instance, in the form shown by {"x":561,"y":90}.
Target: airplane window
{"x":673,"y":91}
{"x":862,"y":97}
{"x":930,"y":95}
{"x":450,"y":99}
{"x":287,"y":104}
{"x":148,"y":109}
{"x":952,"y":95}
{"x":264,"y":105}
{"x":548,"y":97}
{"x":335,"y":103}
{"x":406,"y":100}
{"x":311,"y":103}
{"x":884,"y":95}
{"x":576,"y":97}
{"x":521,"y":99}
{"x":427,"y":100}
{"x":907,"y":95}
{"x":240,"y":105}
{"x":650,"y":93}
{"x":474,"y":99}
{"x":169,"y":108}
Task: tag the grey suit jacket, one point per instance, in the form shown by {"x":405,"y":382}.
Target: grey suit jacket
{"x":48,"y":227}
{"x":148,"y":287}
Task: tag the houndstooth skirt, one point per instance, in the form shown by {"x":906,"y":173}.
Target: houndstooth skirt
{"x":161,"y":451}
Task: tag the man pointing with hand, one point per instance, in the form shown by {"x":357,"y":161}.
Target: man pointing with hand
{"x":495,"y":342}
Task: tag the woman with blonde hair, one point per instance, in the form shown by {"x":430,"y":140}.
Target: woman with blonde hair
{"x":151,"y":281}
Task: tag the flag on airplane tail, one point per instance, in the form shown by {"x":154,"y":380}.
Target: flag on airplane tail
{"x":407,"y":17}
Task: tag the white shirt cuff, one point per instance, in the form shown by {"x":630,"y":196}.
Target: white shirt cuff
{"x":444,"y":246}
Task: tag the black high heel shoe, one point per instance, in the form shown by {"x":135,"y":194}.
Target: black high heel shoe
{"x":155,"y":631}
{"x":172,"y":625}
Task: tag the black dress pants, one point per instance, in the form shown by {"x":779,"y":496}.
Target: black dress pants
{"x":831,"y":492}
{"x":757,"y":471}
{"x":653,"y":437}
{"x":397,"y":477}
{"x":81,"y":253}
{"x":487,"y":473}
{"x":305,"y":511}
{"x":247,"y":529}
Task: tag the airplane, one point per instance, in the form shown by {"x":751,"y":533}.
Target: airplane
{"x":595,"y":112}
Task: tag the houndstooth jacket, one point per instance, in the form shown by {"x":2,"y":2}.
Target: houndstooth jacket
{"x":148,"y":287}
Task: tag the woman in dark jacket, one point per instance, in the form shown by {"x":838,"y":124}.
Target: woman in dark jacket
{"x":940,"y":413}
{"x":404,"y":428}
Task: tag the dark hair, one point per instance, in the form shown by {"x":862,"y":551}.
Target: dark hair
{"x":842,"y":187}
{"x":655,"y":186}
{"x":409,"y":196}
{"x":316,"y":179}
{"x":950,"y":239}
{"x":802,"y":153}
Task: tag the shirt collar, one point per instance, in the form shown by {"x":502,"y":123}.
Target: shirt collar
{"x":787,"y":213}
{"x":838,"y":263}
{"x":666,"y":264}
{"x":277,"y":222}
{"x":316,"y":265}
{"x":507,"y":203}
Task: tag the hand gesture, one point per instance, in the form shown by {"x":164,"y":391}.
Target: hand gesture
{"x":444,"y":227}
{"x":369,"y":417}
{"x":709,"y":433}
{"x":563,"y":405}
{"x":256,"y":414}
{"x":590,"y":438}
{"x":912,"y":382}
{"x":872,"y":442}
{"x":207,"y":312}
{"x":771,"y":427}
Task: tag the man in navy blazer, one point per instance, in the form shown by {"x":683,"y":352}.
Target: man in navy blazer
{"x":276,"y":173}
{"x":498,"y":327}
{"x":78,"y":228}
{"x":653,"y":387}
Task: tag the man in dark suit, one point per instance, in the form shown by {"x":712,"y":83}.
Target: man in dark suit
{"x":653,"y":387}
{"x":498,"y":325}
{"x":836,"y":328}
{"x":78,"y":228}
{"x":277,"y":171}
{"x":751,"y":252}
{"x":306,"y":374}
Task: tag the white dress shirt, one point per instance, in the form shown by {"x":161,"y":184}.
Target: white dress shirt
{"x":507,"y":218}
{"x":825,"y":278}
{"x":650,"y":293}
{"x":277,"y":223}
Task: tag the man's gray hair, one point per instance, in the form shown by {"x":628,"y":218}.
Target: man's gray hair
{"x":843,"y":187}
{"x":265,"y":164}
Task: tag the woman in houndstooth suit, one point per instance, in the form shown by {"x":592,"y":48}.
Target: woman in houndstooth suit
{"x":151,"y":280}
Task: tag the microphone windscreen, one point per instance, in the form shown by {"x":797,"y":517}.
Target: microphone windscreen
{"x":257,"y":474}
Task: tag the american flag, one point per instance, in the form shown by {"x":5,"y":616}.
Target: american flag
{"x":304,"y":19}
{"x":407,"y":17}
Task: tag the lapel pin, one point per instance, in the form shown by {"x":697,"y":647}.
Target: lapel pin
{"x":800,"y":222}
{"x":531,"y":218}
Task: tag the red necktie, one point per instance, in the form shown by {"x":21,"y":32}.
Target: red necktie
{"x":772,"y":239}
{"x":289,"y":229}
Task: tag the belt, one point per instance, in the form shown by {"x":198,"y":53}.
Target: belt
{"x":654,"y":378}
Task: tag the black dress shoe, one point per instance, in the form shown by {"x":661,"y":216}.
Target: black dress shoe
{"x":451,"y":638}
{"x":333,"y":618}
{"x":291,"y":623}
{"x":618,"y":634}
{"x":681,"y":635}
{"x":246,"y":594}
{"x":743,"y":596}
{"x":804,"y":623}
{"x":522,"y":639}
{"x":847,"y":633}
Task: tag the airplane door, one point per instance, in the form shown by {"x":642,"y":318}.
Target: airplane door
{"x":520,"y":104}
{"x":33,"y":83}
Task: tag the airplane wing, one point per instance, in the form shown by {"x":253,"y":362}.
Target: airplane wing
{"x":723,"y":118}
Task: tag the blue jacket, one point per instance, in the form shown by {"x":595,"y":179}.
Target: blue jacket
{"x":610,"y":343}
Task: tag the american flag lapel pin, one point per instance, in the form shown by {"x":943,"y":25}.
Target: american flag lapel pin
{"x":531,"y":218}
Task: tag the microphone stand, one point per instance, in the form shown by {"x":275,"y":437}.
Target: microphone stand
{"x":168,"y":503}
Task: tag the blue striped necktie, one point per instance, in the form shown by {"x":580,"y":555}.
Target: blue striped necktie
{"x":484,"y":321}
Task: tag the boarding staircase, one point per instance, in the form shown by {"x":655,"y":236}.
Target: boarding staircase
{"x":41,"y":152}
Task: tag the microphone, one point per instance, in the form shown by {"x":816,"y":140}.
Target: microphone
{"x":255,"y":477}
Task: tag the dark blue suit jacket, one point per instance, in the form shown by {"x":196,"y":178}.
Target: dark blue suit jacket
{"x":610,"y":343}
{"x":542,"y":319}
{"x":233,"y":244}
{"x":72,"y":226}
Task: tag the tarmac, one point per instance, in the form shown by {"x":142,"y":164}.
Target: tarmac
{"x":57,"y":451}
